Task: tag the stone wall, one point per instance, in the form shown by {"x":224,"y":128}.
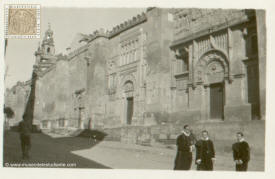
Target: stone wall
{"x":89,"y":83}
{"x":214,"y":47}
{"x":16,"y":98}
{"x":190,"y":23}
{"x":223,"y":134}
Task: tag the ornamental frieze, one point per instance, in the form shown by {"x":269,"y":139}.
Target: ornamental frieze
{"x":191,"y":21}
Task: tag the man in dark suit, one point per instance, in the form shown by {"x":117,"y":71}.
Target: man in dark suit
{"x":25,"y":137}
{"x":185,"y":145}
{"x":241,"y":153}
{"x":205,"y":153}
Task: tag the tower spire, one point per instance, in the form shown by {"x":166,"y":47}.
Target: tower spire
{"x":48,"y":42}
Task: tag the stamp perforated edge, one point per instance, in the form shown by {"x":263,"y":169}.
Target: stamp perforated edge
{"x":22,"y":6}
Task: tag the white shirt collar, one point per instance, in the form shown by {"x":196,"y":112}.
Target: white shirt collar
{"x":242,"y":140}
{"x":187,"y":134}
{"x":205,"y":139}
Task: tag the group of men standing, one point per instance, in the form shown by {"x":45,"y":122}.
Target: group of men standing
{"x":205,"y":151}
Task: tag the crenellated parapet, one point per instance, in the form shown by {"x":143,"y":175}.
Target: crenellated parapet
{"x":61,"y":57}
{"x":96,"y":34}
{"x":140,"y":18}
{"x":44,"y":65}
{"x":128,"y":24}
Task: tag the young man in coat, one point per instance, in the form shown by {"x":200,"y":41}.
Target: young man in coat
{"x":205,"y":153}
{"x":241,"y":153}
{"x":25,"y":137}
{"x":185,"y":145}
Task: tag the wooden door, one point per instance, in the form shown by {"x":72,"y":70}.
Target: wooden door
{"x":216,"y":101}
{"x":130,"y":109}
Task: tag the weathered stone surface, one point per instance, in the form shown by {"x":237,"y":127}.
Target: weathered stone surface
{"x":148,"y":77}
{"x":16,"y":98}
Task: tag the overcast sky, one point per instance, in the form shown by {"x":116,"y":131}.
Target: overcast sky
{"x":65,"y":23}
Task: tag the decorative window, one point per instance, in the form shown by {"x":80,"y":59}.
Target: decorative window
{"x":182,"y":63}
{"x":135,"y":55}
{"x":178,"y":66}
{"x":61,"y":122}
{"x":129,"y":51}
{"x":185,"y":64}
{"x":45,"y":124}
{"x":132,"y":56}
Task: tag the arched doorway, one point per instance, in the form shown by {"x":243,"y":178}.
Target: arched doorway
{"x":217,"y":101}
{"x":212,"y":69}
{"x":129,"y":94}
{"x":215,"y":78}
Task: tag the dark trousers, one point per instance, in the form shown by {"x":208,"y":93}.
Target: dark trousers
{"x":183,"y":160}
{"x":242,"y":167}
{"x":25,"y":145}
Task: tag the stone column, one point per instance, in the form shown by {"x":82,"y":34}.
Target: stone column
{"x":261,"y":36}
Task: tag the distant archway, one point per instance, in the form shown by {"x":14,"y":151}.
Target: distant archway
{"x":129,"y":93}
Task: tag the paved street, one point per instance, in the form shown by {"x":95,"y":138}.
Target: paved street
{"x":106,"y":154}
{"x":117,"y":155}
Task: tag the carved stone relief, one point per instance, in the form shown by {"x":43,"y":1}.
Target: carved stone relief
{"x":128,"y":87}
{"x":212,"y":67}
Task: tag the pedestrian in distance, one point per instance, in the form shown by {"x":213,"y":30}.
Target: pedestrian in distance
{"x":241,"y":153}
{"x":185,"y":146}
{"x":25,"y":137}
{"x":205,"y":153}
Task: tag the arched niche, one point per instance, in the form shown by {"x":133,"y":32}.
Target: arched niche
{"x":127,"y":79}
{"x":212,"y":67}
{"x":128,"y":89}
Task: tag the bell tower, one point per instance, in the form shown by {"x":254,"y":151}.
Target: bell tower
{"x":48,"y":42}
{"x":45,"y":53}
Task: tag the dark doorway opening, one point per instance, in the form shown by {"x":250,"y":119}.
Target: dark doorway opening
{"x":253,"y":89}
{"x":217,"y":101}
{"x":130,"y":109}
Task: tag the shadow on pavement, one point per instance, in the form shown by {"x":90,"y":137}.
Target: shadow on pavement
{"x":46,"y":149}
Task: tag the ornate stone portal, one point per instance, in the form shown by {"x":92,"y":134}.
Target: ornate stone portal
{"x":211,"y":68}
{"x":217,"y":84}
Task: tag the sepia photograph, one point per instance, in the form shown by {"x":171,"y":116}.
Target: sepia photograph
{"x":150,"y":88}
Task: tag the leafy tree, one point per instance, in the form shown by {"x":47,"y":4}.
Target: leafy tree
{"x":9,"y":112}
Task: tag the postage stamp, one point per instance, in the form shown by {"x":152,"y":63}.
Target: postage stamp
{"x":22,"y":21}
